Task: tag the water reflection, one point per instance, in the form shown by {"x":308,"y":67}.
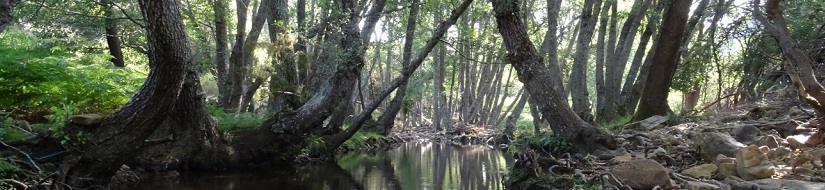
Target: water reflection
{"x":411,"y":166}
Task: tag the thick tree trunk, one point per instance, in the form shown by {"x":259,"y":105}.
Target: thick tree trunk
{"x":6,"y":9}
{"x":631,"y":96}
{"x":809,"y":88}
{"x":578,"y":87}
{"x":105,"y":148}
{"x":387,"y":119}
{"x":532,"y":72}
{"x":665,"y":60}
{"x":318,"y":108}
{"x":221,"y":48}
{"x":112,"y":36}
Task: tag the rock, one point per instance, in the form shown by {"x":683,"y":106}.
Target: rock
{"x":695,"y":185}
{"x":770,"y":141}
{"x":715,"y":143}
{"x":815,"y":139}
{"x":795,"y":142}
{"x":642,"y":174}
{"x":778,"y":184}
{"x":779,"y":154}
{"x":89,"y":120}
{"x":746,"y":134}
{"x":652,"y":122}
{"x":701,"y":171}
{"x":752,"y":164}
{"x":622,"y":158}
{"x":725,"y":170}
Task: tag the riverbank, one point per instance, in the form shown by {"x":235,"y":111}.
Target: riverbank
{"x":777,"y":145}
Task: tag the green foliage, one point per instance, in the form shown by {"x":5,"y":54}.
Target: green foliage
{"x":229,"y":122}
{"x":360,"y":138}
{"x":543,"y":142}
{"x":9,"y":132}
{"x":38,"y":74}
{"x":7,"y":168}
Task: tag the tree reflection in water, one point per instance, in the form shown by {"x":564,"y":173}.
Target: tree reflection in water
{"x":410,"y":166}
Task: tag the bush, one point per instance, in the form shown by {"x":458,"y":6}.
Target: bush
{"x":38,"y":74}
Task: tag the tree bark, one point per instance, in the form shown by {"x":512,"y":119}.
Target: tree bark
{"x":532,"y":72}
{"x":122,"y":134}
{"x":630,"y":96}
{"x":233,"y":85}
{"x":510,"y":124}
{"x":601,"y":55}
{"x":387,"y":120}
{"x":112,"y":36}
{"x":665,"y":60}
{"x":578,"y":87}
{"x":6,"y":9}
{"x":441,"y":112}
{"x":221,"y":47}
{"x":618,"y":62}
{"x":332,"y":142}
{"x":809,"y":88}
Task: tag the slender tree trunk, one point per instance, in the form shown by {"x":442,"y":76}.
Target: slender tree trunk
{"x":550,"y":46}
{"x":510,"y":124}
{"x":122,"y":134}
{"x":441,"y":112}
{"x":533,"y":73}
{"x":665,"y":59}
{"x":233,"y":85}
{"x":633,"y":94}
{"x":578,"y":87}
{"x":112,"y":36}
{"x":600,"y":59}
{"x":221,"y":48}
{"x":336,"y":140}
{"x":387,"y":119}
{"x":618,"y":62}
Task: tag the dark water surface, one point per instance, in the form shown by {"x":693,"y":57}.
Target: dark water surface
{"x":413,"y":166}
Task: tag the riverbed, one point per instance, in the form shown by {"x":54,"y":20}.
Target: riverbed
{"x":413,"y":165}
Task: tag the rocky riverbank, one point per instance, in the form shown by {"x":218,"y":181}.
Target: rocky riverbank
{"x":777,"y":146}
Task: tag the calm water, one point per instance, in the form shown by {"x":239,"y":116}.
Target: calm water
{"x":411,"y":166}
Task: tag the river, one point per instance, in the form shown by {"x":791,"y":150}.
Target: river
{"x":413,"y":165}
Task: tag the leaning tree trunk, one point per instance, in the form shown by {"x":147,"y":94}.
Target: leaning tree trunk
{"x":534,"y":74}
{"x":105,"y":148}
{"x":665,"y":59}
{"x":387,"y":120}
{"x":809,"y":89}
{"x":334,"y":141}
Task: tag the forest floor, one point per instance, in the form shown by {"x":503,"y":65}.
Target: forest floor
{"x":772,"y":144}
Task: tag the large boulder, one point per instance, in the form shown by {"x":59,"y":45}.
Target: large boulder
{"x":746,"y":134}
{"x":778,"y":184}
{"x":715,"y":143}
{"x":642,"y":174}
{"x":752,"y":164}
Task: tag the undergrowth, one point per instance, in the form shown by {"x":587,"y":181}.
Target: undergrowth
{"x":229,"y":122}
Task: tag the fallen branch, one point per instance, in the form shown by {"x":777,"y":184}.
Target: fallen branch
{"x":24,"y":153}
